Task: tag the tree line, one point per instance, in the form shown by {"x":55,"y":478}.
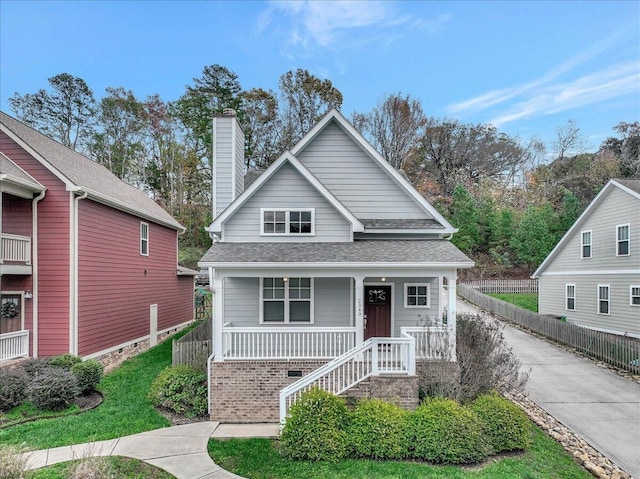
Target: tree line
{"x":495,"y":187}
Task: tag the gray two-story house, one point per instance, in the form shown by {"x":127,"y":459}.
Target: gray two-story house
{"x":329,"y":256}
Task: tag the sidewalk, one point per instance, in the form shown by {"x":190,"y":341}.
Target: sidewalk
{"x":179,"y":450}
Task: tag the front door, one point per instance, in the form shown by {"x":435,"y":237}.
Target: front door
{"x":377,"y":310}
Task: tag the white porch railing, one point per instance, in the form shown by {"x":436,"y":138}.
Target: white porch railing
{"x":432,"y":342}
{"x":286,"y":343}
{"x":14,"y":345}
{"x":15,"y":248}
{"x":373,"y":357}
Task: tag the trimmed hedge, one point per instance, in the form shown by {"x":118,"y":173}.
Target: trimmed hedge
{"x":64,"y":361}
{"x":316,"y":428}
{"x":13,"y":387}
{"x":181,"y":389}
{"x":88,"y":373}
{"x":505,"y":425}
{"x":377,"y":430}
{"x":53,"y":389}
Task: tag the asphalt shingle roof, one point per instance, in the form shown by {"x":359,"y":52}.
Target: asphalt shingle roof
{"x":400,"y":223}
{"x":366,"y":251}
{"x":631,"y":183}
{"x":8,"y":167}
{"x":87,"y":174}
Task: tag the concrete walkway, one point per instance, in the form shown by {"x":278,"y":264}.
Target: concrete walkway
{"x":179,"y":450}
{"x":595,"y":403}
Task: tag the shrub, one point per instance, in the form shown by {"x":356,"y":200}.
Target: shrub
{"x":88,"y":374}
{"x":377,"y":430}
{"x":53,"y":389}
{"x":34,"y":366}
{"x":13,"y":388}
{"x":13,"y":461}
{"x":316,"y":428}
{"x":181,"y":389}
{"x":64,"y":361}
{"x":505,"y":426}
{"x":93,"y":468}
{"x":442,"y":431}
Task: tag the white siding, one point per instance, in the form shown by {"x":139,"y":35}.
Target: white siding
{"x":355,"y":179}
{"x":286,"y":189}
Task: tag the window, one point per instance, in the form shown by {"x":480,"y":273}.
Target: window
{"x":571,"y":297}
{"x":287,"y":300}
{"x":286,"y":222}
{"x":416,"y":295}
{"x":622,"y":240}
{"x":634,"y":295}
{"x":603,"y":299}
{"x":586,"y":244}
{"x":144,"y":239}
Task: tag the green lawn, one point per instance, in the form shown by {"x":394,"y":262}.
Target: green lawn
{"x":524,"y":300}
{"x":125,"y":409}
{"x":259,"y":459}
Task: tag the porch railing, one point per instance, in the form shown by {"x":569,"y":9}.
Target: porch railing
{"x":14,"y":345}
{"x":14,"y":248}
{"x":432,"y":342}
{"x":286,"y":343}
{"x":373,"y":357}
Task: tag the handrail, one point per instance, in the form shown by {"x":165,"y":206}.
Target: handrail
{"x":365,"y":361}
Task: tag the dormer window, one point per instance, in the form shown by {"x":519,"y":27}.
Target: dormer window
{"x":287,"y":222}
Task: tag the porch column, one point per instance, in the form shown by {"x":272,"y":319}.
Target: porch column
{"x":359,"y":309}
{"x":451,"y":312}
{"x":218,"y":293}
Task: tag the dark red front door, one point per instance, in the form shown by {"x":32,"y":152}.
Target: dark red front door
{"x":377,"y":310}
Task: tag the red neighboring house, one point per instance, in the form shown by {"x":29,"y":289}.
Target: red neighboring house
{"x":88,"y":264}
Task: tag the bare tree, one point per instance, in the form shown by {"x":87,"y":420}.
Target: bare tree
{"x":568,"y":139}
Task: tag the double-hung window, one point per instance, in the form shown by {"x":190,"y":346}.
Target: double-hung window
{"x":603,"y":299}
{"x":144,"y":239}
{"x":416,"y":295}
{"x":570,"y":297}
{"x":622,"y":240}
{"x":586,"y":244}
{"x":286,"y":300}
{"x":634,"y":295}
{"x":287,"y":222}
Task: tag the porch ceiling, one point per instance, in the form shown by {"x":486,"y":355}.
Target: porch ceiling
{"x":369,"y":252}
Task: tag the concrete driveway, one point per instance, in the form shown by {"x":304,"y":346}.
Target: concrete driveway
{"x":597,"y":404}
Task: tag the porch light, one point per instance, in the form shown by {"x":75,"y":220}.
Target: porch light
{"x":28,"y":294}
{"x":383,"y":279}
{"x":285,"y":279}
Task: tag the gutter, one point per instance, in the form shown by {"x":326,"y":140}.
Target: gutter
{"x":34,"y":274}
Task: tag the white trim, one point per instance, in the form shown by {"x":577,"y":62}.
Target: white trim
{"x":216,"y":226}
{"x":583,"y":244}
{"x":287,"y":221}
{"x":35,"y":274}
{"x":628,"y":240}
{"x":144,"y":239}
{"x":608,"y":299}
{"x":391,"y":305}
{"x":567,"y":297}
{"x":631,"y":295}
{"x":377,"y":157}
{"x":336,"y":265}
{"x":287,"y":300}
{"x":578,"y":223}
{"x":598,"y":272}
{"x":417,"y":306}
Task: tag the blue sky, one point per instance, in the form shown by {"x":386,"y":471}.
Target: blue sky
{"x":526,"y":67}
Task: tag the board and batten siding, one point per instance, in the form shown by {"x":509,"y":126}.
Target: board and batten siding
{"x":117,"y":285}
{"x":332,"y":307}
{"x":623,"y":317}
{"x":287,"y":189}
{"x":355,"y":179}
{"x":53,"y":251}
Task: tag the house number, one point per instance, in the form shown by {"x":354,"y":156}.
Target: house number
{"x":359,"y":310}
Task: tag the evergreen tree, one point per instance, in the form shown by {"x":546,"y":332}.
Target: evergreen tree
{"x":533,"y":239}
{"x":464,"y":216}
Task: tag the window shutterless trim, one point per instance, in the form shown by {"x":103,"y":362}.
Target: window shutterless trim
{"x":636,"y":295}
{"x":583,"y":244}
{"x":607,"y":299}
{"x":417,"y":285}
{"x":287,"y":301}
{"x":144,"y":239}
{"x":287,"y":221}
{"x":627,"y":240}
{"x":567,"y":297}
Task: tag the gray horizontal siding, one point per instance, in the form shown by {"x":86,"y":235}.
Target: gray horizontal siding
{"x":411,"y":317}
{"x":623,"y":317}
{"x":356,"y":180}
{"x":617,"y":208}
{"x":223,"y":168}
{"x":286,"y":189}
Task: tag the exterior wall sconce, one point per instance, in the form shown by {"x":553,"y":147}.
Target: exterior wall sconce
{"x":383,"y":279}
{"x":28,"y":295}
{"x":285,"y":279}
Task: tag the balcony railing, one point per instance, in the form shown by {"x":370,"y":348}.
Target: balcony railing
{"x":286,"y":342}
{"x":15,"y":249}
{"x":14,"y":345}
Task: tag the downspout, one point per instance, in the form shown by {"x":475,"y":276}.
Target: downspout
{"x":34,"y":268}
{"x":73,"y":326}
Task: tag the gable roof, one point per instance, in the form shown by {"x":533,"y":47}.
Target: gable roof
{"x":12,"y":173}
{"x":629,"y":185}
{"x":285,"y":158}
{"x":335,"y":116}
{"x":82,"y":175}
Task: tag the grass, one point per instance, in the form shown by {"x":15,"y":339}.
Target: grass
{"x":125,"y":409}
{"x":259,"y":459}
{"x":524,"y":300}
{"x":119,"y":466}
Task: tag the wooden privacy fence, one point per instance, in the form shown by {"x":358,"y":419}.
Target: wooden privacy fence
{"x":616,"y":350}
{"x":194,"y":348}
{"x":505,"y":285}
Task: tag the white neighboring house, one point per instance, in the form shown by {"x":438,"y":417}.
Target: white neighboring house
{"x":329,"y":248}
{"x":592,"y":276}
